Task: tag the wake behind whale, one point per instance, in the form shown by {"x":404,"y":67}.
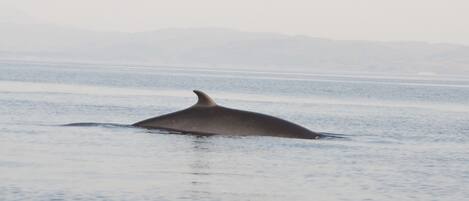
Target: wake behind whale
{"x":323,"y":135}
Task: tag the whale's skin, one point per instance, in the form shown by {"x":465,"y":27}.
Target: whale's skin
{"x":206,"y":117}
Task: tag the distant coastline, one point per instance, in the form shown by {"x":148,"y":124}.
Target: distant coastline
{"x":226,"y":48}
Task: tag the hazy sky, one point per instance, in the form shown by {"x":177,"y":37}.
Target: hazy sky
{"x":420,"y":20}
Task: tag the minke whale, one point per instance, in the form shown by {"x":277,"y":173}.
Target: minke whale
{"x":207,"y":118}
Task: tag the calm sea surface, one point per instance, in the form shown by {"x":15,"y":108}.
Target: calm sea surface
{"x":407,"y":138}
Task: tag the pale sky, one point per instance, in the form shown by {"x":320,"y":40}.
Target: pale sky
{"x":383,"y":20}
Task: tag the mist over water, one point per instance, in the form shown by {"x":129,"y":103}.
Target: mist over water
{"x":407,"y":137}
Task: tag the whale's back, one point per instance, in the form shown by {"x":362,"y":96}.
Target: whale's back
{"x":206,"y":117}
{"x":227,"y":121}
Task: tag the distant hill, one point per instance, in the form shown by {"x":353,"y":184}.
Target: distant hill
{"x":214,"y":47}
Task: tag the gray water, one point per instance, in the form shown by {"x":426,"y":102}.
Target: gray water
{"x":407,"y":137}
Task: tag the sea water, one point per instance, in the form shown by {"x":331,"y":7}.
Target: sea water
{"x":404,"y":137}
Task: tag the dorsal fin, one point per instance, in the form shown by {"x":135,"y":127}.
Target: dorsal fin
{"x":204,"y":99}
